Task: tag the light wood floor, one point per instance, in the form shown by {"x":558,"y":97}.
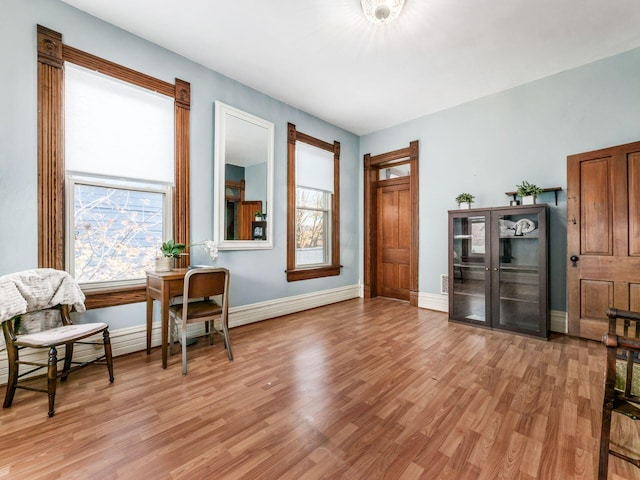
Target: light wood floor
{"x":364,"y":389}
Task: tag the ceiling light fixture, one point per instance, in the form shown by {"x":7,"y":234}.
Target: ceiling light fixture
{"x":381,"y":11}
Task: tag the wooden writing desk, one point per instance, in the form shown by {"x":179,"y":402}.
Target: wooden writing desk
{"x":163,"y":286}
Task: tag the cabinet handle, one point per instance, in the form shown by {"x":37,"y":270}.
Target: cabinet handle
{"x":487,"y":268}
{"x":496,"y":269}
{"x":574,"y":259}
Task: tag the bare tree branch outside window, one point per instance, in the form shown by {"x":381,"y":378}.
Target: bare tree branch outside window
{"x":116,"y":232}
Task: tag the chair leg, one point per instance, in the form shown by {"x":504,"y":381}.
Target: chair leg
{"x":210,"y":330}
{"x":68,"y":355}
{"x":603,"y":464}
{"x":108,"y":357}
{"x":184,"y":348}
{"x":227,"y":341}
{"x":12,"y":381}
{"x":52,"y":378}
{"x":607,"y":409}
{"x":172,"y":333}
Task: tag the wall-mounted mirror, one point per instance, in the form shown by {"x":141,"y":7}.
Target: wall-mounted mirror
{"x":244,"y":180}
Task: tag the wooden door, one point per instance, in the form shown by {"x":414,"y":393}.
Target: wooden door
{"x":394,"y":238}
{"x":603,"y":236}
{"x":246,"y":214}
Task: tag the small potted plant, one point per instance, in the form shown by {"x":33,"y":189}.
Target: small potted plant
{"x":528,"y":192}
{"x":464,"y":200}
{"x":170,"y":250}
{"x":257,"y":216}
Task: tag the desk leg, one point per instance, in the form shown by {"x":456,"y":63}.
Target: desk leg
{"x":164,"y":313}
{"x":149,"y":321}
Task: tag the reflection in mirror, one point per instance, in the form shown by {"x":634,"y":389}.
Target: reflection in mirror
{"x":244,"y":179}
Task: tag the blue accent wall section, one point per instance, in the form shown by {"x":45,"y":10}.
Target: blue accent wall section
{"x":257,"y":275}
{"x":487,"y":146}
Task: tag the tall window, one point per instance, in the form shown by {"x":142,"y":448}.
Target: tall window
{"x":313,"y":246}
{"x":113,"y":177}
{"x":119,"y":168}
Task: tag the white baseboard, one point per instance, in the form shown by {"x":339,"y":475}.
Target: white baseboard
{"x":558,"y":321}
{"x":283,"y":306}
{"x":433,"y":301}
{"x":134,"y":339}
{"x":440,"y":303}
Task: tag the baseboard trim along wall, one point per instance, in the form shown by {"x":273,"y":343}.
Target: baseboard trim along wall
{"x":134,"y":339}
{"x":440,"y":303}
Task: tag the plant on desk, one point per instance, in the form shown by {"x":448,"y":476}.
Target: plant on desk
{"x":170,"y":250}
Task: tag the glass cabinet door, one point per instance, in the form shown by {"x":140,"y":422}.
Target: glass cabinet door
{"x":469,"y":268}
{"x":516,"y":267}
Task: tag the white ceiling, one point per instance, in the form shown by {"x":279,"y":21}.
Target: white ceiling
{"x":323,"y":57}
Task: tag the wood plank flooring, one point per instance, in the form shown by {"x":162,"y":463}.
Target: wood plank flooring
{"x":363,"y":389}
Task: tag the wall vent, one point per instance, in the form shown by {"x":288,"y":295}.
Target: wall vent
{"x":444,"y":283}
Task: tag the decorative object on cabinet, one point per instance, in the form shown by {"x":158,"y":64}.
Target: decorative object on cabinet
{"x":498,"y":260}
{"x":509,"y":228}
{"x":464,"y":200}
{"x":528,"y":192}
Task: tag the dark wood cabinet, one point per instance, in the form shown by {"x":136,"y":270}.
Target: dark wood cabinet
{"x":498,"y":267}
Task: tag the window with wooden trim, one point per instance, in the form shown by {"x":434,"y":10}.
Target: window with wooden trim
{"x":313,"y":211}
{"x":114,"y":228}
{"x":126,"y":182}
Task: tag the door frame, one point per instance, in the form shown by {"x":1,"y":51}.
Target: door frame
{"x":372,"y":165}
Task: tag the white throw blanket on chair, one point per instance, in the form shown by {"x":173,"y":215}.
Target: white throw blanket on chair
{"x":34,"y":290}
{"x":38,"y":289}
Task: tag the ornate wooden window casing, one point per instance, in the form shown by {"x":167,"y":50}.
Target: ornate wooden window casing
{"x":52,"y":53}
{"x":295,"y":273}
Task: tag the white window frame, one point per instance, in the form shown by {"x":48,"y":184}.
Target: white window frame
{"x":326,"y":227}
{"x":73,"y":179}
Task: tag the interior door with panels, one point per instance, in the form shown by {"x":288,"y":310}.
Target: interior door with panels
{"x":603,"y":236}
{"x":394,"y":238}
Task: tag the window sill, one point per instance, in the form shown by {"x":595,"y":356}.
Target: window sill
{"x":110,"y":297}
{"x":317,"y":272}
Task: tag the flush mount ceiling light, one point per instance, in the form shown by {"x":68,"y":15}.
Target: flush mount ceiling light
{"x":381,"y":11}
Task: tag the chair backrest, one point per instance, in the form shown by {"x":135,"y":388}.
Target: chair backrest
{"x":624,"y":323}
{"x":207,"y":282}
{"x":623,"y":340}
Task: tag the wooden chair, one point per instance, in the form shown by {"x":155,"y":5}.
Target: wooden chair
{"x":200,"y":285}
{"x":34,"y":313}
{"x":622,"y":380}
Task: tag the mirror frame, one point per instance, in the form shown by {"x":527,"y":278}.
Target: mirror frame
{"x":222,"y":112}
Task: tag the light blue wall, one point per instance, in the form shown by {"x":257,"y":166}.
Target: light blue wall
{"x":256,"y":275}
{"x":487,"y":146}
{"x":255,"y":186}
